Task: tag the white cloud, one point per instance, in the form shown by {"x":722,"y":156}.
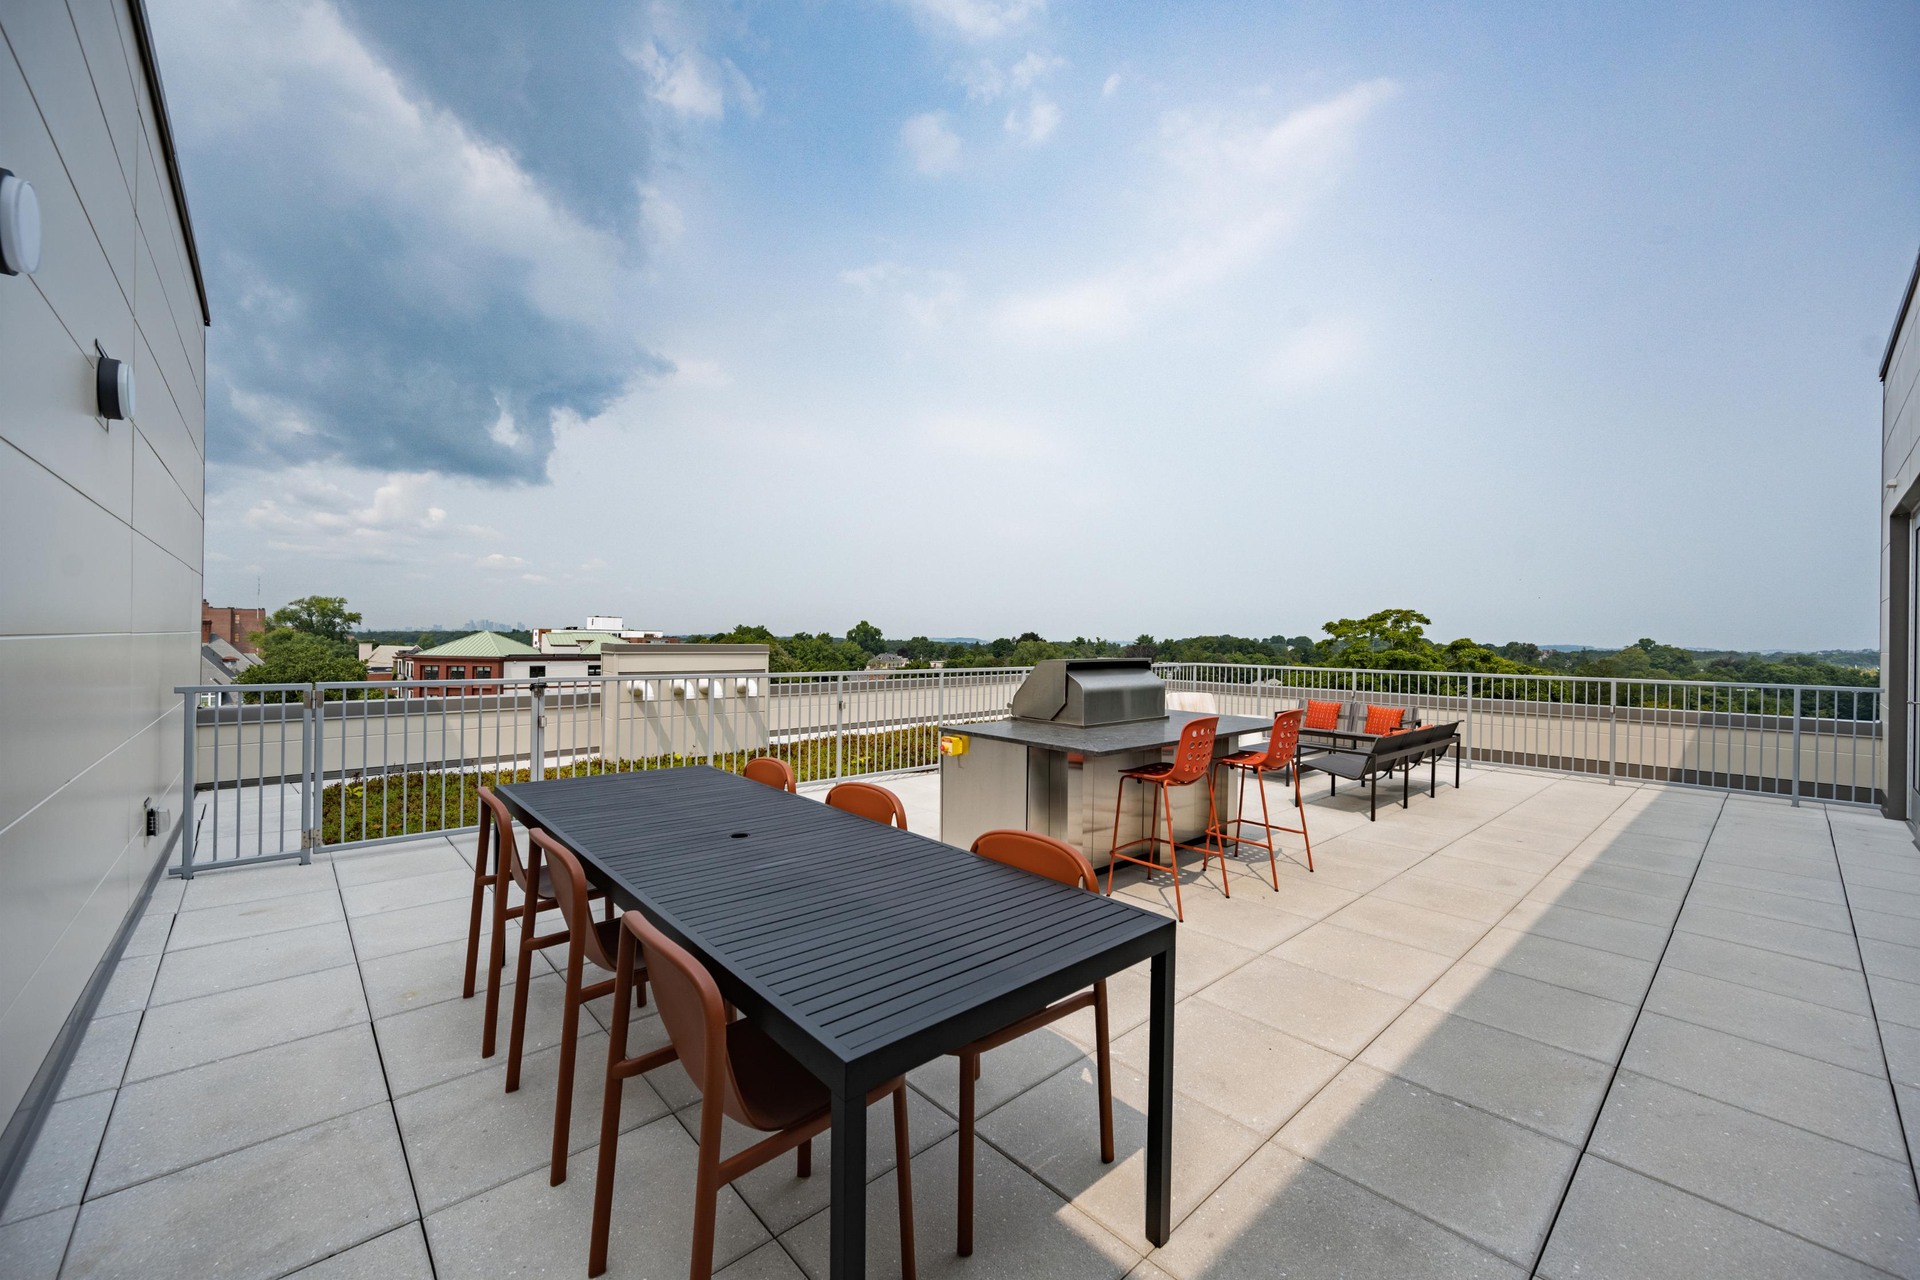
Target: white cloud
{"x":498,"y":563}
{"x":1321,"y":353}
{"x":1230,"y":189}
{"x":928,"y":297}
{"x":1112,"y":85}
{"x":1037,"y":123}
{"x":694,"y":85}
{"x":978,"y":19}
{"x":931,"y":143}
{"x":662,"y":218}
{"x":985,"y":81}
{"x":313,"y":513}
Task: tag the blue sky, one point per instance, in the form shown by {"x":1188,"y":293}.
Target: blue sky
{"x":975,"y":316}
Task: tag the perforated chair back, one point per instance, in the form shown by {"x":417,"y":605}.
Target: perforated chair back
{"x":865,"y":799}
{"x":1194,"y":756}
{"x":1041,"y":855}
{"x":569,"y":881}
{"x":772,"y":771}
{"x":1285,"y":740}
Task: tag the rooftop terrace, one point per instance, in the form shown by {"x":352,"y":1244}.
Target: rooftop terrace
{"x":1540,"y":1025}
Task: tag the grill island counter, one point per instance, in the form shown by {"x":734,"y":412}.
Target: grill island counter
{"x":1055,"y":766}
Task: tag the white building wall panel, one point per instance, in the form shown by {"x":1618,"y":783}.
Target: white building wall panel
{"x":101,"y":521}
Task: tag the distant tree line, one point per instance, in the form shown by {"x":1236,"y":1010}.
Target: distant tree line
{"x":1389,"y":640}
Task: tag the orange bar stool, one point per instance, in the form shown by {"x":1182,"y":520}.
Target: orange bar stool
{"x":772,"y":771}
{"x":1192,"y":761}
{"x":1282,"y":747}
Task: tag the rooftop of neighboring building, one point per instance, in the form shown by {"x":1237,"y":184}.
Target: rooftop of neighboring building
{"x":481,"y":644}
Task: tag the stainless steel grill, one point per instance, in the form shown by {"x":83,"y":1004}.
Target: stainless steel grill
{"x":1091,"y":691}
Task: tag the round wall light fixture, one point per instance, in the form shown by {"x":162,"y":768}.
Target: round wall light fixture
{"x":19,"y":225}
{"x":113,"y":386}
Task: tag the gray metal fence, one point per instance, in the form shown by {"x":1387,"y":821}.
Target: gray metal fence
{"x":1818,"y":742}
{"x":275,"y":771}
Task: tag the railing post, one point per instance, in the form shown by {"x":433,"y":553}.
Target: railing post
{"x":537,"y":765}
{"x":839,"y":724}
{"x":1796,"y":746}
{"x":1469,"y":720}
{"x":311,"y":700}
{"x":939,"y":702}
{"x":1613,"y":730}
{"x":190,"y":709}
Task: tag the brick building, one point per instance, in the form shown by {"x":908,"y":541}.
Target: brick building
{"x":235,"y":626}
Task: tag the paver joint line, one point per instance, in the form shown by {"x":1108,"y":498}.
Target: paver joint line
{"x":393,"y":1111}
{"x":1546,"y":1237}
{"x":1879,"y":1037}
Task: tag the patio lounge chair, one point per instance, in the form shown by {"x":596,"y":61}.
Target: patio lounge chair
{"x":1386,"y":754}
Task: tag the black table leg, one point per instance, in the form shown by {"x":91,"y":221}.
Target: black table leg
{"x":1160,"y":1101}
{"x":847,"y":1253}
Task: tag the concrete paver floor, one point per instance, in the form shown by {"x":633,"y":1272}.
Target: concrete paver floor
{"x":1536,"y":1026}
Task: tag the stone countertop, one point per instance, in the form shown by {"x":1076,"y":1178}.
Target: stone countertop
{"x":1106,"y":739}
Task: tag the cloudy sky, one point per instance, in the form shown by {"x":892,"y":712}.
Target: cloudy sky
{"x":975,"y":316}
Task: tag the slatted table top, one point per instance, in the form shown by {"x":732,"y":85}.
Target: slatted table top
{"x":865,"y":950}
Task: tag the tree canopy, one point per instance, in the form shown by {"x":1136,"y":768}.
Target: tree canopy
{"x":1389,"y":639}
{"x":308,"y":640}
{"x":324,"y":616}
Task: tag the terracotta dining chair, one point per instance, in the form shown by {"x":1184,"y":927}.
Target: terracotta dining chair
{"x":506,"y":871}
{"x":590,"y":941}
{"x":1056,"y":860}
{"x":740,"y":1073}
{"x":773,"y":771}
{"x":869,"y":801}
{"x":1192,"y":762}
{"x":1283,"y":746}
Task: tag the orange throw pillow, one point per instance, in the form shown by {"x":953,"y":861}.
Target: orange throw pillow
{"x":1323,"y":715}
{"x":1384,"y":719}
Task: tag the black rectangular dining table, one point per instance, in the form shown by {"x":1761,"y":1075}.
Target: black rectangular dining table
{"x":861,"y":949}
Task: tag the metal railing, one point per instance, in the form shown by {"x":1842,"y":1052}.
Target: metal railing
{"x":275,"y":771}
{"x":348,"y":763}
{"x":1820,"y":742}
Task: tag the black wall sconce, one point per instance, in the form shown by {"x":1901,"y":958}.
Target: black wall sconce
{"x":113,"y":385}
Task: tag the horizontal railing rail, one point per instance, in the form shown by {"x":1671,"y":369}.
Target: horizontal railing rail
{"x":274,"y":771}
{"x":1818,"y":742}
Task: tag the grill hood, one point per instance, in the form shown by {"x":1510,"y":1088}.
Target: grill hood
{"x":1091,"y":691}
